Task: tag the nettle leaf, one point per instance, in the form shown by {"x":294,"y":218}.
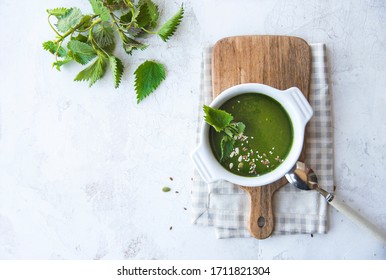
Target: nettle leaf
{"x":218,"y":119}
{"x":54,"y":48}
{"x":116,"y":4}
{"x":100,"y":10}
{"x":130,"y":28}
{"x":153,"y":10}
{"x":148,"y":77}
{"x":235,"y":128}
{"x":126,"y":18}
{"x":59,"y":63}
{"x":221,"y":121}
{"x":143,"y":18}
{"x":104,"y":35}
{"x":69,"y":20}
{"x":228,"y":131}
{"x":57,"y":12}
{"x":134,"y":31}
{"x":94,"y":72}
{"x":227,"y":144}
{"x":116,"y":66}
{"x":169,"y":27}
{"x":129,"y":44}
{"x":81,"y":38}
{"x":85,"y":23}
{"x":240,"y":128}
{"x":81,"y":52}
{"x":148,"y":14}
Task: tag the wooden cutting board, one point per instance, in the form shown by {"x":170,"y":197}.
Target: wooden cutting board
{"x":278,"y":61}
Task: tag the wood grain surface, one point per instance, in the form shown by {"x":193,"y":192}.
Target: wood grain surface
{"x":278,"y":61}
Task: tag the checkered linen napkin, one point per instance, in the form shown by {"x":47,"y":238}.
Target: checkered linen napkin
{"x":226,"y":207}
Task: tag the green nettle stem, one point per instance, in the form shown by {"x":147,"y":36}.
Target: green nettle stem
{"x":72,"y":30}
{"x":130,"y":4}
{"x":148,"y":32}
{"x":57,"y":50}
{"x":115,"y":22}
{"x":49,"y":23}
{"x":100,"y":51}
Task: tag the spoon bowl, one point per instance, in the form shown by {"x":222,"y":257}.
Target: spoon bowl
{"x":304,"y":178}
{"x":297,"y":177}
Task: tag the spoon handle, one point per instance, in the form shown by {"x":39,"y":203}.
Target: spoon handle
{"x":358,"y":219}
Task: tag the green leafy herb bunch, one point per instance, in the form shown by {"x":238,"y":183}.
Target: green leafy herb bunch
{"x":90,"y":39}
{"x":221,"y":121}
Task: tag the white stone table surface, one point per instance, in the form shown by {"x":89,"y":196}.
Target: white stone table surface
{"x":81,"y":169}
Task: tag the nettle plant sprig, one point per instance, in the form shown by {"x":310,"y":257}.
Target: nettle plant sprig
{"x":221,"y":121}
{"x":91,"y":39}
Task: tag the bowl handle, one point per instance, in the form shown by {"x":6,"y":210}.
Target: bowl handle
{"x":201,"y":162}
{"x":301,"y":103}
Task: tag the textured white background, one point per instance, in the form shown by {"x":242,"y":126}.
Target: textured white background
{"x":81,"y":169}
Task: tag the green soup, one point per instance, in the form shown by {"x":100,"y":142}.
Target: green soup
{"x":267,"y":138}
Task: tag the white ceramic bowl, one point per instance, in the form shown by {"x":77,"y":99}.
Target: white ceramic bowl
{"x":299,"y":111}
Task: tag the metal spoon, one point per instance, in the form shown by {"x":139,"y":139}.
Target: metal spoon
{"x":304,"y":178}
